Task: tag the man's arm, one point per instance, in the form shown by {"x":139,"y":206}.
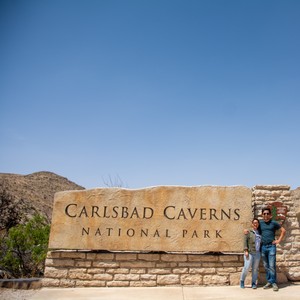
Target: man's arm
{"x":282,"y":234}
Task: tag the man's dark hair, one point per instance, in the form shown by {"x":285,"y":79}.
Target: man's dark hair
{"x":266,"y":208}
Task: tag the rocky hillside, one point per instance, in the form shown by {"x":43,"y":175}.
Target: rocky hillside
{"x":36,"y":190}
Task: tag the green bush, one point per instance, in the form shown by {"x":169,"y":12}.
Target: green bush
{"x":24,"y":248}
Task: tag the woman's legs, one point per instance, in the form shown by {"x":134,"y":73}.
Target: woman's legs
{"x":255,"y":265}
{"x":247,"y":265}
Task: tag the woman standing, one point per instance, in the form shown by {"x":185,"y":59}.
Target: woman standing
{"x":252,"y":254}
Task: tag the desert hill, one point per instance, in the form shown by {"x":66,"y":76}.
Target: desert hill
{"x":36,"y":190}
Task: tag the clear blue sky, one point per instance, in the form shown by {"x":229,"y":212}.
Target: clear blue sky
{"x":153,"y":92}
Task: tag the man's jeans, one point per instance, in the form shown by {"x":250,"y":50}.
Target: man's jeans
{"x":268,"y":254}
{"x":252,"y":261}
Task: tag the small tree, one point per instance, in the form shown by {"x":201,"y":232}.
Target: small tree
{"x":10,"y":210}
{"x":114,"y":182}
{"x":24,"y":249}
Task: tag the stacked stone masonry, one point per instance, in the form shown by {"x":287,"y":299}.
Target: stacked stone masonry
{"x":121,"y":269}
{"x":80,"y":269}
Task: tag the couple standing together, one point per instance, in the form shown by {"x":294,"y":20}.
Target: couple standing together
{"x":260,"y":242}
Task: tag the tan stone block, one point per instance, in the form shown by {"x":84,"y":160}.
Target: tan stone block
{"x":292,"y":219}
{"x":224,"y":271}
{"x":293,"y":251}
{"x":90,"y":283}
{"x":180,"y":271}
{"x":49,"y":282}
{"x":290,"y":213}
{"x":280,"y":251}
{"x":167,"y":265}
{"x":215,"y":280}
{"x":143,"y":283}
{"x":91,"y":255}
{"x":294,"y":225}
{"x":187,"y":279}
{"x":105,"y":256}
{"x":95,"y":270}
{"x":118,"y":271}
{"x":75,"y":255}
{"x":296,"y":245}
{"x":294,"y":273}
{"x":102,"y":264}
{"x":49,"y":262}
{"x":292,"y":264}
{"x":53,"y":254}
{"x":287,"y":239}
{"x":77,"y":270}
{"x":190,"y":265}
{"x":103,"y":277}
{"x":202,"y":271}
{"x":203,"y":258}
{"x":173,"y":257}
{"x":67,"y":283}
{"x":214,"y":265}
{"x":228,"y":258}
{"x":48,"y":271}
{"x":148,"y":277}
{"x":149,"y":257}
{"x":126,"y":257}
{"x":291,"y":257}
{"x":159,"y":271}
{"x":232,"y":264}
{"x":63,"y":262}
{"x":137,"y":264}
{"x":82,"y":276}
{"x":286,"y":246}
{"x":55,"y":273}
{"x":168,"y":279}
{"x":234,"y":279}
{"x":117,"y":283}
{"x":137,"y":271}
{"x":83,"y":263}
{"x":130,"y":277}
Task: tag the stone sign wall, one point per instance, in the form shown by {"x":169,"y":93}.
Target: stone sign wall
{"x":183,"y":219}
{"x":85,"y":268}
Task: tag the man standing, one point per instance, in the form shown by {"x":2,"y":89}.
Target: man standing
{"x":268,"y":228}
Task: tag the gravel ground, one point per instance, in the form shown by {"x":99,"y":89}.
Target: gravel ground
{"x":16,"y":294}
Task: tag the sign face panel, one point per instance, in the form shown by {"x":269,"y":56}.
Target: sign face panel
{"x":278,"y":211}
{"x":165,"y":218}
